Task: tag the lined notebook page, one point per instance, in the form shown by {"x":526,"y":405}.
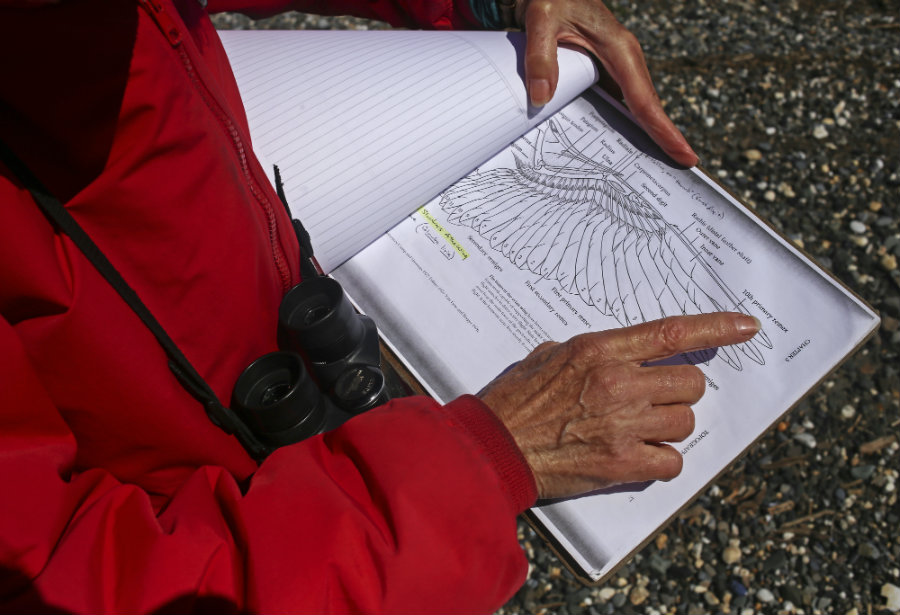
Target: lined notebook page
{"x":368,"y":126}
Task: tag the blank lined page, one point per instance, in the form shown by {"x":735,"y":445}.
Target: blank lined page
{"x":368,"y":126}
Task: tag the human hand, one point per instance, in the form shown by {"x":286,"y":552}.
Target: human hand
{"x":586,"y":414}
{"x":589,"y":24}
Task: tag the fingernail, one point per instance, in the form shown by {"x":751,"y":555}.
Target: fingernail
{"x":539,"y":90}
{"x":748,"y":325}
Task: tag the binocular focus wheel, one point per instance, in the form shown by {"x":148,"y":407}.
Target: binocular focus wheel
{"x":360,"y":388}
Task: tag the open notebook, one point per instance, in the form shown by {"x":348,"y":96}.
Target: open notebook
{"x":535,"y":226}
{"x":368,"y":126}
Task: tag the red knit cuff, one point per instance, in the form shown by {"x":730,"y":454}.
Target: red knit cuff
{"x":498,"y":446}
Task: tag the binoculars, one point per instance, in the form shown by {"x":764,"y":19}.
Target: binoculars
{"x":328,"y":371}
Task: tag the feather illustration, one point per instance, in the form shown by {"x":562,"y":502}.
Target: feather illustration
{"x":570,"y":219}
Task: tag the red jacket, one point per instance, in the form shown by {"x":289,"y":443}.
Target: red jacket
{"x":118,"y":493}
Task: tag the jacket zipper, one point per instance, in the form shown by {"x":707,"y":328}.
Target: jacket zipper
{"x":165,"y":22}
{"x":169,"y":28}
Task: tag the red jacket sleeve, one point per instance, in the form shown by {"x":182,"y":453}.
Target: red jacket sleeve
{"x":444,"y":14}
{"x":118,"y":494}
{"x":409,"y":508}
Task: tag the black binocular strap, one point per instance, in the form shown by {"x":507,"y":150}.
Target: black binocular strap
{"x":307,"y":266}
{"x":218,"y":413}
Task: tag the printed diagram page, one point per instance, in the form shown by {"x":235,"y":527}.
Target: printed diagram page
{"x":584,"y":225}
{"x":367,"y":126}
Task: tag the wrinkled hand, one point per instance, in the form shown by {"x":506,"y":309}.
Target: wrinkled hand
{"x":589,"y":24}
{"x":586,"y":414}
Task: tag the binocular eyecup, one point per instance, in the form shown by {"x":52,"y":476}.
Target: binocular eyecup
{"x":280,"y":400}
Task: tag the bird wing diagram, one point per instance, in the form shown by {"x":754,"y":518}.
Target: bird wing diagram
{"x":567,"y":218}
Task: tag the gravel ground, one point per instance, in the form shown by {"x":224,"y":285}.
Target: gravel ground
{"x":795,"y":106}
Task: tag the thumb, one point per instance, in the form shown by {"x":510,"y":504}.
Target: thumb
{"x":541,"y":68}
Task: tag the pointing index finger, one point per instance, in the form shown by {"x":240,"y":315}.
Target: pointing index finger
{"x":664,"y":338}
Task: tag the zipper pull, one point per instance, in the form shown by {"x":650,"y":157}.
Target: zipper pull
{"x":165,"y":22}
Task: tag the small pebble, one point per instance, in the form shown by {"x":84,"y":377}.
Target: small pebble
{"x":786,"y":189}
{"x":753,"y":155}
{"x":764,"y":595}
{"x":638,"y":595}
{"x":606,"y":594}
{"x":711,"y":599}
{"x":868,"y":550}
{"x":737,"y":588}
{"x":891,"y":593}
{"x":806,"y":438}
{"x":862,"y":472}
{"x":857,"y":227}
{"x":661,"y":541}
{"x":731,"y":554}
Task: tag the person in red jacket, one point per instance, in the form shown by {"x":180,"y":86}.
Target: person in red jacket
{"x":118,"y":492}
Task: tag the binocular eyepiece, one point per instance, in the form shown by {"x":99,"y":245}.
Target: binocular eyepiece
{"x":278,"y":398}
